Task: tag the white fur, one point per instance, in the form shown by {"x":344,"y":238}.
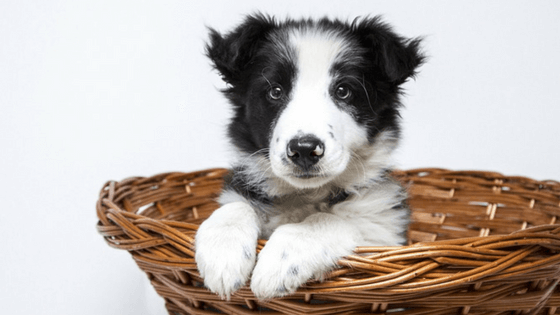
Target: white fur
{"x":297,"y":252}
{"x":310,"y":238}
{"x":225,"y":247}
{"x":370,"y":212}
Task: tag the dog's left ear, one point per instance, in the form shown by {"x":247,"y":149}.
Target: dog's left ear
{"x":395,"y":57}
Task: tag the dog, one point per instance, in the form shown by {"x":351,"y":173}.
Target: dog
{"x":315,"y":122}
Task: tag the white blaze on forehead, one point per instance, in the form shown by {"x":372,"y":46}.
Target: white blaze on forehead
{"x":316,"y":52}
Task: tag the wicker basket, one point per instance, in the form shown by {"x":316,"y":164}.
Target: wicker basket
{"x":480,"y":243}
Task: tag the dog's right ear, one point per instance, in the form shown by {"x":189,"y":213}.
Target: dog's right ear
{"x":232,"y":53}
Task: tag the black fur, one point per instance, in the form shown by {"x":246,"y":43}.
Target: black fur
{"x":236,"y":181}
{"x":337,"y":197}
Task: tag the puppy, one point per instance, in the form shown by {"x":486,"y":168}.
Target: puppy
{"x":315,"y":122}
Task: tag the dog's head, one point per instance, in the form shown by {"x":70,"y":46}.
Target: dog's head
{"x":313,"y":98}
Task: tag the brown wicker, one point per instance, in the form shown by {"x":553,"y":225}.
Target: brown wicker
{"x":480,"y":243}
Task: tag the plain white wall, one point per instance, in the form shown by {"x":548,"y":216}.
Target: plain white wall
{"x":99,"y":90}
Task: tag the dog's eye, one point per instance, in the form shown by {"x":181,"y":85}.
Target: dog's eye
{"x":343,"y":92}
{"x":275,"y":93}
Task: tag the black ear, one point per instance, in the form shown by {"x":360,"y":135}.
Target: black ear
{"x":233,"y":52}
{"x":395,"y":57}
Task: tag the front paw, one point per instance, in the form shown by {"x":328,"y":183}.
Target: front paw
{"x":226,"y":250}
{"x":289,"y":260}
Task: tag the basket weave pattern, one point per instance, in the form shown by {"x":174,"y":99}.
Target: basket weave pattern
{"x":480,"y":243}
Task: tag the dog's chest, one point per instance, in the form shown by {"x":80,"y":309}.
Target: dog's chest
{"x":289,"y":210}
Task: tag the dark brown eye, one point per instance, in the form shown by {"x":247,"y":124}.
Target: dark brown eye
{"x":275,"y":93}
{"x":343,"y":92}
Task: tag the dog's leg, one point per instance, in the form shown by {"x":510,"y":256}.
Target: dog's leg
{"x":226,"y":247}
{"x":298,"y":252}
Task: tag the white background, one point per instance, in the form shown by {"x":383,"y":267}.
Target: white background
{"x":99,"y":90}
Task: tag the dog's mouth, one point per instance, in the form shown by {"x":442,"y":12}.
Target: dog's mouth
{"x":313,"y":177}
{"x":303,"y":180}
{"x":307,"y":176}
{"x":300,"y":174}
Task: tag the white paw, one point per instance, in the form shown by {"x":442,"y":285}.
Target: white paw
{"x":226,"y":248}
{"x":290,"y":258}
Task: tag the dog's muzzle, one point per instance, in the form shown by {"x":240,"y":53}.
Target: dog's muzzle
{"x":305,"y":151}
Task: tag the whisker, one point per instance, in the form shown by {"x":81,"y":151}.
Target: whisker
{"x":262,"y":74}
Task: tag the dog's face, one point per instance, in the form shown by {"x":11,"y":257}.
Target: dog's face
{"x":313,"y":97}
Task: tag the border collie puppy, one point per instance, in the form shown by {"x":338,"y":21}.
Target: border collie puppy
{"x":315,"y":122}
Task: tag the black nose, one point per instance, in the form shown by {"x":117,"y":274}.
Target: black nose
{"x":305,"y":151}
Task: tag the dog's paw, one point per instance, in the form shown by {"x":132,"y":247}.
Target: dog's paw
{"x":290,"y":258}
{"x":226,"y":248}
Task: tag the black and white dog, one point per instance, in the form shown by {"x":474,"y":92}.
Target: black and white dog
{"x":315,"y":122}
